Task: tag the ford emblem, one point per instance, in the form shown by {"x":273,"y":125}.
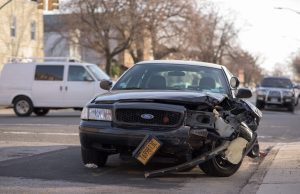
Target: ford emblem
{"x":147,"y":116}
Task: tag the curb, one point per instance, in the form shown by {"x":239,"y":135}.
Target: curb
{"x":257,"y":177}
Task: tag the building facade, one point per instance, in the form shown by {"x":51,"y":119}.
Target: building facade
{"x":21,"y":32}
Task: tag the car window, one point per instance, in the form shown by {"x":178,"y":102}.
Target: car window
{"x":49,"y":72}
{"x":97,"y":72}
{"x":78,"y":73}
{"x":173,"y":77}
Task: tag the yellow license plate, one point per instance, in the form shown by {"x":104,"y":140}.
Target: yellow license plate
{"x":148,"y":150}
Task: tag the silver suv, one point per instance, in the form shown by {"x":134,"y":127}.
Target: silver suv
{"x":277,"y":91}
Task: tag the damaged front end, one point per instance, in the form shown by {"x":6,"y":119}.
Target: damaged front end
{"x":220,"y":134}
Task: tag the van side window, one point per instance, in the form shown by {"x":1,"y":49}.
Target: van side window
{"x":49,"y":72}
{"x":78,"y":73}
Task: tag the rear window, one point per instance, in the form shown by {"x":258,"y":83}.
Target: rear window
{"x":49,"y":72}
{"x":276,"y":83}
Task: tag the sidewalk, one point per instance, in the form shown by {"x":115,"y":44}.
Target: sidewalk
{"x":283,"y":176}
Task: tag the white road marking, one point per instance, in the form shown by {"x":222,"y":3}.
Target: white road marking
{"x":35,"y":133}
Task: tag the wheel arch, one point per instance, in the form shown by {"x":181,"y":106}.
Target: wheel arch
{"x":22,"y":96}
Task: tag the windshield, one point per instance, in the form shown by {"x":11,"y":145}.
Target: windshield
{"x":97,"y":72}
{"x":173,"y":77}
{"x":276,"y":83}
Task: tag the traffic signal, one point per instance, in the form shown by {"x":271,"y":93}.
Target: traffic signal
{"x":40,"y":4}
{"x":53,"y":4}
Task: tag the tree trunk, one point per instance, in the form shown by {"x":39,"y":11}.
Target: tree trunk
{"x":108,"y":64}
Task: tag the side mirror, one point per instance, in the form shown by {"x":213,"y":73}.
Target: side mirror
{"x":244,"y":93}
{"x":234,"y":82}
{"x":105,"y":84}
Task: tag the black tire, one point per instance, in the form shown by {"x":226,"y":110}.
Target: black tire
{"x":260,"y":105}
{"x":219,"y":167}
{"x":23,"y":106}
{"x":41,"y":111}
{"x":93,"y":156}
{"x":254,"y":152}
{"x":297,"y":101}
{"x":291,"y":107}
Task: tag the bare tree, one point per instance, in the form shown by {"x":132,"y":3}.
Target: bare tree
{"x":211,"y":37}
{"x":105,"y":26}
{"x":163,"y":24}
{"x":295,"y":63}
{"x":241,"y":60}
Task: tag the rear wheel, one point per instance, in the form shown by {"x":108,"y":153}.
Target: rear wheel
{"x":41,"y":111}
{"x":93,"y":156}
{"x":23,"y":106}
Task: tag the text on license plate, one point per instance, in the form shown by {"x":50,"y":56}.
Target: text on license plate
{"x":148,"y":150}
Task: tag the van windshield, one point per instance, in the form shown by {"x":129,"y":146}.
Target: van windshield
{"x":97,"y":72}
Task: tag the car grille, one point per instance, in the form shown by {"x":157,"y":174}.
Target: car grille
{"x":275,"y":93}
{"x":160,"y":117}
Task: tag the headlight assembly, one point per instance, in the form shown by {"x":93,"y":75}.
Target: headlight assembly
{"x":262,"y":92}
{"x":98,"y":114}
{"x":288,"y":93}
{"x":84,"y":114}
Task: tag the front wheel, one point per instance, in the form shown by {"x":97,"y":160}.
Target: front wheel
{"x":219,"y":167}
{"x":23,"y":106}
{"x":91,"y":156}
{"x":291,"y":107}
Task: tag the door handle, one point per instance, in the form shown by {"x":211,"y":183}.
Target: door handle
{"x":66,"y":88}
{"x":60,"y":88}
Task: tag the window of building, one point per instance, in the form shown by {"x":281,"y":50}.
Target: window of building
{"x":13,"y":27}
{"x":49,"y":72}
{"x":78,"y":73}
{"x":32,"y":30}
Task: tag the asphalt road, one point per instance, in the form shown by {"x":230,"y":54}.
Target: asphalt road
{"x":42,"y":155}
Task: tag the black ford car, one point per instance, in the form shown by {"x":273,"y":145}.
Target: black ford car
{"x":190,"y":112}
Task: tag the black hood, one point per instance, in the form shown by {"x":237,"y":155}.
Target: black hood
{"x":188,"y":97}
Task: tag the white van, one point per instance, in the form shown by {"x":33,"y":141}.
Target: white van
{"x":40,"y":86}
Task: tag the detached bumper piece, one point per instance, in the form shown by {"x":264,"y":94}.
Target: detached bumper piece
{"x":200,"y":159}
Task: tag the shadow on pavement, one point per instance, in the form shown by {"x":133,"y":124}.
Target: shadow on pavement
{"x":66,"y":165}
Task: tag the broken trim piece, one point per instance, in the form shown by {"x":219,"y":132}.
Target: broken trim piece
{"x":202,"y":158}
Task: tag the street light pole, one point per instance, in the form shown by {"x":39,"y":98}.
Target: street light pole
{"x":286,"y":8}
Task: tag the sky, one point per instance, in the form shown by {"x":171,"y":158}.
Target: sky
{"x":272,"y":33}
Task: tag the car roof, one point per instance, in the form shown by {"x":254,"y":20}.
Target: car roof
{"x":181,"y":62}
{"x":51,"y":63}
{"x":276,"y":77}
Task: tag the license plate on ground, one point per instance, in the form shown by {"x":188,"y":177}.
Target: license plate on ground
{"x":146,"y":150}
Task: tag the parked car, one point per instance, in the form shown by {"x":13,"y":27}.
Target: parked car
{"x":278,"y":91}
{"x":191,"y":112}
{"x":40,"y":86}
{"x":297,"y":92}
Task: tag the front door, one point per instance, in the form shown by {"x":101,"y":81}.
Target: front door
{"x":79,"y":87}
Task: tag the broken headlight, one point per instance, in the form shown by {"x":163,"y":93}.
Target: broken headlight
{"x":98,"y":114}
